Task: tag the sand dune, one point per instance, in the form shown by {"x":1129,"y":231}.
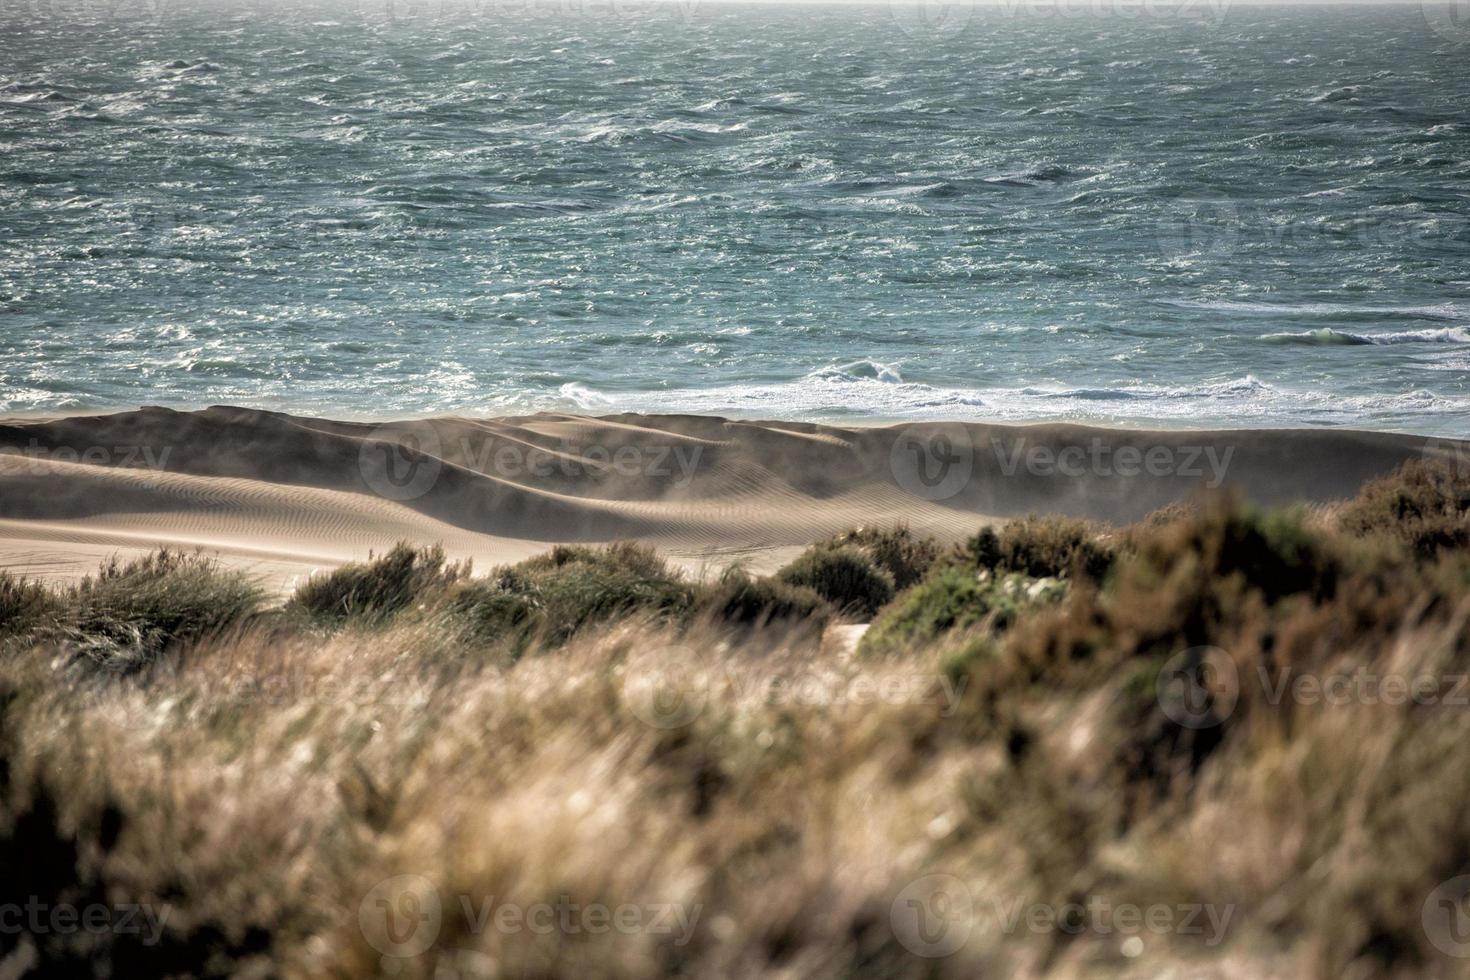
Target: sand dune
{"x":285,"y":495}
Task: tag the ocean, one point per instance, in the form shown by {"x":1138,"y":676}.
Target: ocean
{"x":1172,"y":212}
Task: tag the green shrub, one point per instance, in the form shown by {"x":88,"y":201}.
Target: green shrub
{"x":552,"y":597}
{"x":378,"y":588}
{"x":1275,"y":552}
{"x":844,"y":576}
{"x":127,"y":614}
{"x":1272,"y":593}
{"x":896,"y":550}
{"x":1199,"y":580}
{"x":1043,"y":548}
{"x":954,"y":598}
{"x":738,"y":598}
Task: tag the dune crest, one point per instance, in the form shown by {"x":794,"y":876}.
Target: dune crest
{"x":286,"y":495}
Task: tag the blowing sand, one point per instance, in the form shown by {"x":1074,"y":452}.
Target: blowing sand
{"x":285,"y":495}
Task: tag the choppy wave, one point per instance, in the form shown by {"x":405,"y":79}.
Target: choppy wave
{"x":826,"y":395}
{"x":1371,"y":310}
{"x":1327,"y":337}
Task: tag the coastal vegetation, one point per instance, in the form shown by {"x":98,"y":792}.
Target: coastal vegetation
{"x":1220,"y":742}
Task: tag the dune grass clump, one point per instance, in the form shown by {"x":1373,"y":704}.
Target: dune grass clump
{"x":842,"y":575}
{"x":1276,"y":553}
{"x":1202,"y":579}
{"x":127,"y":614}
{"x":375,"y":590}
{"x":25,"y":606}
{"x":1040,"y":547}
{"x":554,"y":596}
{"x":740,"y":599}
{"x":897,"y":550}
{"x":488,"y":612}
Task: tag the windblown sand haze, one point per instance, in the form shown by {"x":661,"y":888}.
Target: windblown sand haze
{"x":285,"y":495}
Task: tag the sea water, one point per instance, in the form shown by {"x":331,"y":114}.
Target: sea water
{"x":1177,"y":212}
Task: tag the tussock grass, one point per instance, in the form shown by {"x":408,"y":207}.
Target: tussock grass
{"x":283,"y":788}
{"x":127,"y":614}
{"x":740,"y":599}
{"x":378,"y":588}
{"x":844,"y":576}
{"x":1042,"y":548}
{"x":897,"y":550}
{"x":551,"y":598}
{"x":24,"y":606}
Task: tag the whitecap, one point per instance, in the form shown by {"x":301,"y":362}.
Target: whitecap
{"x":1327,"y":337}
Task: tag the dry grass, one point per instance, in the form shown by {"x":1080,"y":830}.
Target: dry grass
{"x":754,"y":800}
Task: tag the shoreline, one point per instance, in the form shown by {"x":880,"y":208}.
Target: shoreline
{"x":286,"y":495}
{"x":341,"y":414}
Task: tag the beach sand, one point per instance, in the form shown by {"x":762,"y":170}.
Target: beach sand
{"x":285,"y":495}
